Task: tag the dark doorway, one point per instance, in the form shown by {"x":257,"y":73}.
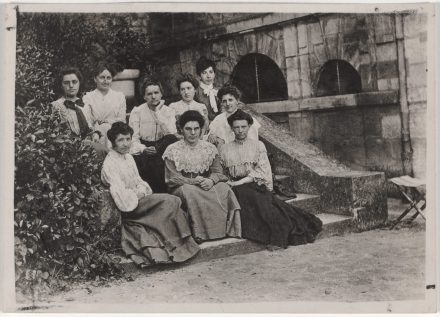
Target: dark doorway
{"x":338,"y":77}
{"x":259,"y":79}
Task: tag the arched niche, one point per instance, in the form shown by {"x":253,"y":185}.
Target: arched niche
{"x":259,"y":79}
{"x":338,"y":77}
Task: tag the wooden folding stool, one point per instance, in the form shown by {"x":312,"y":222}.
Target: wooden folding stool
{"x":416,"y":199}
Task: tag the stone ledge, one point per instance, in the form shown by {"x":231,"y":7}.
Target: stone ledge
{"x":387,"y":97}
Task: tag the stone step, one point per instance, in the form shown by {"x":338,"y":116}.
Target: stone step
{"x":309,"y":203}
{"x":210,"y":250}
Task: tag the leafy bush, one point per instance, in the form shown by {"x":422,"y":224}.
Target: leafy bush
{"x":83,"y":40}
{"x":57,"y":181}
{"x":57,"y":177}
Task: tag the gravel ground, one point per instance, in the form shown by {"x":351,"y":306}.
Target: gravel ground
{"x":378,"y":265}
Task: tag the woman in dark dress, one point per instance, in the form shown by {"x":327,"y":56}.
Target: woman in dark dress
{"x":264,"y":217}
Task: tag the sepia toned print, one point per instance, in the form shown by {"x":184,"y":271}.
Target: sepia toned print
{"x":314,"y":184}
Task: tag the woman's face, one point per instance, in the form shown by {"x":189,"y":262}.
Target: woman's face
{"x":241,"y":129}
{"x":122,"y":143}
{"x":103,"y":80}
{"x":153,"y":95}
{"x":187,"y":91}
{"x":191,"y":132}
{"x":229,"y":103}
{"x":70,"y":85}
{"x":208,"y":76}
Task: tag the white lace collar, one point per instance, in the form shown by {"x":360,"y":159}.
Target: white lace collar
{"x":191,"y":159}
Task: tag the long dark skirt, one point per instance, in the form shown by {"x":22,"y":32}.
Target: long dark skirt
{"x":152,"y":167}
{"x":157,"y":231}
{"x":269,"y":220}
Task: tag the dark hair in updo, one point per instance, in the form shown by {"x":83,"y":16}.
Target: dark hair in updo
{"x":240,"y":115}
{"x":150,"y":82}
{"x":229,"y":89}
{"x":204,"y":63}
{"x":67,"y":70}
{"x":117,"y":128}
{"x":189,"y":78}
{"x":104,"y":66}
{"x":191,"y":115}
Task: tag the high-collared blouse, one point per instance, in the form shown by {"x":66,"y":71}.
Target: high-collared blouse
{"x":120,"y":173}
{"x":185,"y":162}
{"x":68,"y":115}
{"x":107,"y":108}
{"x":247,"y":158}
{"x":149,"y":125}
{"x":207,"y":96}
{"x":181,"y":106}
{"x":221,"y":128}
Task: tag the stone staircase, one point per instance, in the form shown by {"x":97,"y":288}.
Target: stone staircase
{"x":332,"y":225}
{"x":344,"y":199}
{"x":332,"y":188}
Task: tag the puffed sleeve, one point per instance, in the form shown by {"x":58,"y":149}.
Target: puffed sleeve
{"x":253,"y":130}
{"x":134,"y":122}
{"x":217,"y":171}
{"x":262,"y":173}
{"x":87,"y":109}
{"x":56,"y":109}
{"x":169,"y":118}
{"x":142,"y":186}
{"x":125,"y":199}
{"x":121,"y":114}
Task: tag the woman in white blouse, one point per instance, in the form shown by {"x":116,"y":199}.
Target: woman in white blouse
{"x":70,"y":109}
{"x":187,"y":85}
{"x":104,"y":105}
{"x":264,"y":217}
{"x":219,"y":130}
{"x":154,"y":227}
{"x":193,"y":173}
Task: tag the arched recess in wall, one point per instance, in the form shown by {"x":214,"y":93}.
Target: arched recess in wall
{"x":338,"y":77}
{"x":259,"y":79}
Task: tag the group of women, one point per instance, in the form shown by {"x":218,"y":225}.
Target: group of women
{"x":217,"y":176}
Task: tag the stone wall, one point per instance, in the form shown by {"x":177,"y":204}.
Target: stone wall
{"x":363,"y":137}
{"x":415,"y":37}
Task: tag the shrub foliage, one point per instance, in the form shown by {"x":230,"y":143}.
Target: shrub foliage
{"x":57,"y":177}
{"x":57,"y":228}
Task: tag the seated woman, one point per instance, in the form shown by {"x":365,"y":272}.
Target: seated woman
{"x":264,"y":218}
{"x":70,"y":109}
{"x":104,"y":105}
{"x":219,"y":130}
{"x":187,"y":86}
{"x":154,"y":228}
{"x":154,"y":126}
{"x":193,"y":173}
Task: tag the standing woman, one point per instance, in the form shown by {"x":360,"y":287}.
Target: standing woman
{"x":104,"y":105}
{"x":206,"y":93}
{"x":187,"y":86}
{"x":71,"y":111}
{"x":193,"y":173}
{"x":264,"y":218}
{"x":219,"y":130}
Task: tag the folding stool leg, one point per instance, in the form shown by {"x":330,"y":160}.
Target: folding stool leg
{"x":407,"y":210}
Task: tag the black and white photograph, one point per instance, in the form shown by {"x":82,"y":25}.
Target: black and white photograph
{"x":220,"y":158}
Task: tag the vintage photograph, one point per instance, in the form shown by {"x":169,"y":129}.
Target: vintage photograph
{"x":223,"y":158}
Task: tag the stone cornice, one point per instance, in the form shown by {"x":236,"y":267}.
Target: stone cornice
{"x":375,"y":98}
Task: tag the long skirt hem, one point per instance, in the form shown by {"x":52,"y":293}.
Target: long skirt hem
{"x":268,"y":220}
